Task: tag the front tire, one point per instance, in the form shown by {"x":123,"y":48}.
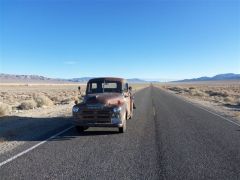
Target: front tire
{"x":123,"y":129}
{"x":131,"y":116}
{"x":81,"y":128}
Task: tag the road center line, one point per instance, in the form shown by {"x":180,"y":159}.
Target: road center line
{"x":154,"y":111}
{"x":34,"y":147}
{"x":153,"y":106}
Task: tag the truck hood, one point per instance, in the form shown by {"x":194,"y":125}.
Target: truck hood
{"x":104,"y":98}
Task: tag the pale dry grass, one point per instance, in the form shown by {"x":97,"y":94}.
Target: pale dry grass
{"x":42,"y":100}
{"x":4,"y":109}
{"x":237,"y":114}
{"x":31,"y":96}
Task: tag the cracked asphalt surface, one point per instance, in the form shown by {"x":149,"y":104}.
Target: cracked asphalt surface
{"x":168,"y":138}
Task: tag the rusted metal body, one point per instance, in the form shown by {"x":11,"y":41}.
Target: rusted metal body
{"x":108,"y":103}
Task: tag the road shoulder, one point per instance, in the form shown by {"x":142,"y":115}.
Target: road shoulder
{"x":205,"y":105}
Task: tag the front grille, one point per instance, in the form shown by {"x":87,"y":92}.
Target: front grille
{"x":96,"y":116}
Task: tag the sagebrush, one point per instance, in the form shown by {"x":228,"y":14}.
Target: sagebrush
{"x":4,"y":109}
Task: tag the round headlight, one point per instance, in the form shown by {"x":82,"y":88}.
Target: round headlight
{"x":117,"y":110}
{"x":75,"y":109}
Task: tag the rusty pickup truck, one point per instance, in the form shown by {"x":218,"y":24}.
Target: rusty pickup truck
{"x":108,"y":103}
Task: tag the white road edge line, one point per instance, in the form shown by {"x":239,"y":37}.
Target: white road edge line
{"x":34,"y":147}
{"x":199,"y":106}
{"x":213,"y":113}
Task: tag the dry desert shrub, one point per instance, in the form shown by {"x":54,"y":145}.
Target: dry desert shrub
{"x":237,"y":114}
{"x":216,"y":93}
{"x":42,"y":100}
{"x":66,"y":101}
{"x":196,"y":92}
{"x":238,"y":101}
{"x":4,"y":109}
{"x":230,"y":100}
{"x":175,"y":88}
{"x":218,"y":99}
{"x":26,"y":105}
{"x":56,"y":99}
{"x":61,"y":100}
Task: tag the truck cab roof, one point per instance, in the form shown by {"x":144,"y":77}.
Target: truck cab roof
{"x":107,"y":79}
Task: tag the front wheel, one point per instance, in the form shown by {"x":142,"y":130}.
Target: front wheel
{"x":124,"y":127}
{"x":81,"y":128}
{"x":131,"y":116}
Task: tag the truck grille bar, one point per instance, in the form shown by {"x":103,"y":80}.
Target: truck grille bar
{"x":95,"y":116}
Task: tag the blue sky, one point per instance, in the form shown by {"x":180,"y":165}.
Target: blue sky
{"x":165,"y":39}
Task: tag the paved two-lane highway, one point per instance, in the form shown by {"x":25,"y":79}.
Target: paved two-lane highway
{"x":168,"y":138}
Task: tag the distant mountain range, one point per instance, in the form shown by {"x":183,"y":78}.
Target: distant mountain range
{"x":219,"y":77}
{"x":11,"y":78}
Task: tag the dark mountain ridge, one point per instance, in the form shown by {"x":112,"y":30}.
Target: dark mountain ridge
{"x":219,"y":77}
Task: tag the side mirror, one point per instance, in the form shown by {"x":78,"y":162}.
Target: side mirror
{"x":126,"y":95}
{"x":130,"y":88}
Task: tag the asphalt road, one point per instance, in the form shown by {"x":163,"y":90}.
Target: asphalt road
{"x":168,"y":138}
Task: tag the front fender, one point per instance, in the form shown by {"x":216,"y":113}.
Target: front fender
{"x":123,"y":109}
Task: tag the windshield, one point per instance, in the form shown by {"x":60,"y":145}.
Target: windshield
{"x":104,"y":86}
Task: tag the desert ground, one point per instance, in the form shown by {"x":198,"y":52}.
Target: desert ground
{"x":223,"y":97}
{"x":25,"y":98}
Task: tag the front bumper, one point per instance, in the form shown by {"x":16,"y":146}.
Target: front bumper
{"x":94,"y":123}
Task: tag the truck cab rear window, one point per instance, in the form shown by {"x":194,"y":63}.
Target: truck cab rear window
{"x":101,"y":87}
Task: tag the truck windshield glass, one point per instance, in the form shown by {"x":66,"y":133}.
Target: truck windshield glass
{"x":105,"y":86}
